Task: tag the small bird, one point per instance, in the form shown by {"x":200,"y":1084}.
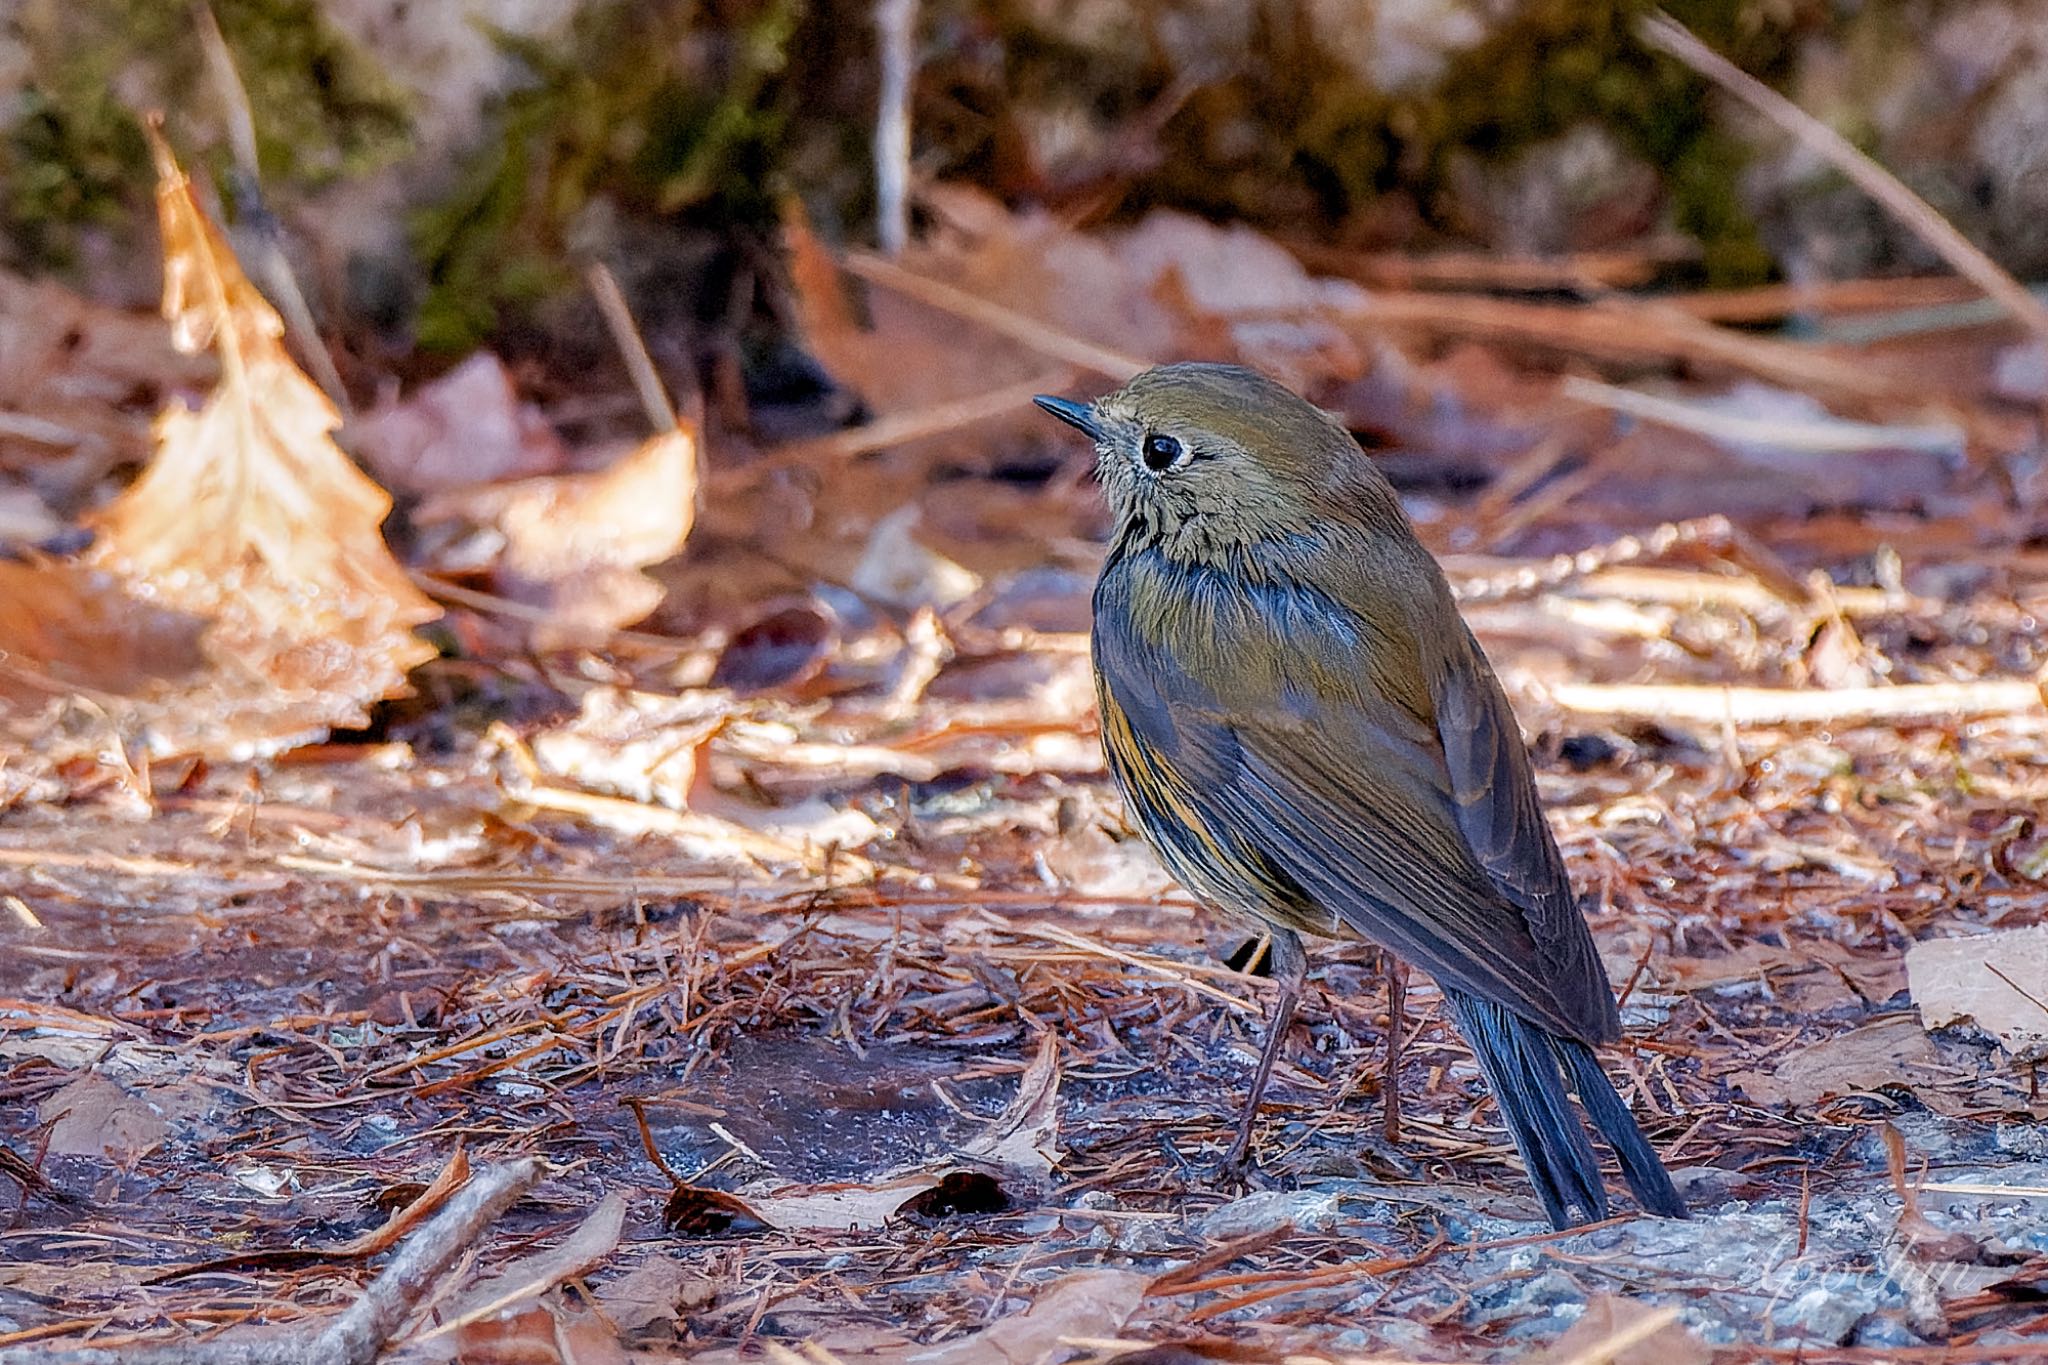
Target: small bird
{"x":1306,"y":731}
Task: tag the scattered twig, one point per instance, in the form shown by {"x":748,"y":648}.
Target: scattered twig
{"x":256,"y":226}
{"x":1709,"y":705}
{"x":1039,"y":336}
{"x":1589,"y":271}
{"x":593,"y":1241}
{"x":896,"y":31}
{"x":897,"y":428}
{"x":359,"y":1334}
{"x":1815,"y":437}
{"x":1629,"y":331}
{"x":375,"y":1242}
{"x":1714,"y":535}
{"x":1771,"y":301}
{"x":1668,"y":36}
{"x":618,"y":318}
{"x":1636,"y":582}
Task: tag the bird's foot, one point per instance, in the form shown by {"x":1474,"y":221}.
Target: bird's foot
{"x":1238,"y":1173}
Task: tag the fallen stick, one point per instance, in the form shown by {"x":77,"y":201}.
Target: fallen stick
{"x":1714,"y":535}
{"x":359,"y":1334}
{"x":1812,"y":436}
{"x":1791,"y":706}
{"x":1668,"y":36}
{"x":1625,"y":331}
{"x":897,"y":428}
{"x":1042,"y":337}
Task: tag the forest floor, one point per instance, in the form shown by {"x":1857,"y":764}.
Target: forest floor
{"x":796,"y":933}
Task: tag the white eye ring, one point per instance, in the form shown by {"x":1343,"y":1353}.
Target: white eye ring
{"x":1161,"y":452}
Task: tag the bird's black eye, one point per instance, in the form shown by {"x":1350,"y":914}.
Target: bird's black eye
{"x":1162,"y":453}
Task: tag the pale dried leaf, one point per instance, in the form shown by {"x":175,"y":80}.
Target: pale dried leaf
{"x":70,"y":373}
{"x":1092,"y":1303}
{"x":1025,"y":1136}
{"x":1618,"y":1331}
{"x":465,"y":428}
{"x":1997,"y":982}
{"x":898,"y":569}
{"x":95,"y":1117}
{"x":641,"y":745}
{"x":1020,"y":1145}
{"x":842,"y":1206}
{"x":525,"y":1279}
{"x":908,"y":356}
{"x":239,"y":597}
{"x":1887,"y":1053}
{"x":574,"y":544}
{"x":660,"y":1289}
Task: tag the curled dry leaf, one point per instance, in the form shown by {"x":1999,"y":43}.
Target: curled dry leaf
{"x":1618,"y":1331}
{"x":1091,"y":1304}
{"x":239,"y":597}
{"x":641,"y":745}
{"x":699,"y":1211}
{"x":574,"y":544}
{"x":783,"y":648}
{"x":1998,"y":982}
{"x":517,"y":1284}
{"x":1020,"y":1147}
{"x":465,"y":428}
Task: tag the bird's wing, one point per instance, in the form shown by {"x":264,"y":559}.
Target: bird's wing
{"x":1493,"y":789}
{"x":1355,"y":802}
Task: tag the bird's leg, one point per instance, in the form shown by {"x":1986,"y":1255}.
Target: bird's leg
{"x":1289,"y":970}
{"x":1397,"y":1004}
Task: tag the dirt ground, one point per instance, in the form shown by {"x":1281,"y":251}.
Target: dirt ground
{"x":247,"y":1029}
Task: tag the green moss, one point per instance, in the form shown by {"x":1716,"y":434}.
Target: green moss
{"x":1289,"y":117}
{"x":654,"y":107}
{"x":74,"y":155}
{"x":1562,"y":63}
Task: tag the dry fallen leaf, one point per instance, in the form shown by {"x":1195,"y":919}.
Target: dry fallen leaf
{"x":640,"y":745}
{"x":658,"y":1290}
{"x":1998,"y":982}
{"x":519,"y":1282}
{"x":94,"y":1117}
{"x":239,"y":597}
{"x":78,"y":382}
{"x":898,"y":569}
{"x":574,"y":544}
{"x":1891,"y":1052}
{"x":1089,"y":1304}
{"x":1618,"y":1331}
{"x":467,"y":427}
{"x":1021,"y":1144}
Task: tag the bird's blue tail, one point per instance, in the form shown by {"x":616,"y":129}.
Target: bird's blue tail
{"x":1528,"y":1068}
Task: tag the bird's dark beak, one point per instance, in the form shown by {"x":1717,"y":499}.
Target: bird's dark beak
{"x":1077,"y":415}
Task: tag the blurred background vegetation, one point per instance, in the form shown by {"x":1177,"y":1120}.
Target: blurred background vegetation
{"x":444,"y":168}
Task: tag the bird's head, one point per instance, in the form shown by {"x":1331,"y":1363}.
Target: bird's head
{"x":1206,"y":459}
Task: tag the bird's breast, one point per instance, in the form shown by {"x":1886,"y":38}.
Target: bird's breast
{"x":1242,"y":640}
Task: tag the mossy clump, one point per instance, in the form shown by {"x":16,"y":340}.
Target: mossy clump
{"x":1286,"y":133}
{"x":73,"y":155}
{"x":659,"y":109}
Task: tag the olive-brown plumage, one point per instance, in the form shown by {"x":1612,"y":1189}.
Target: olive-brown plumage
{"x":1305,"y":729}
